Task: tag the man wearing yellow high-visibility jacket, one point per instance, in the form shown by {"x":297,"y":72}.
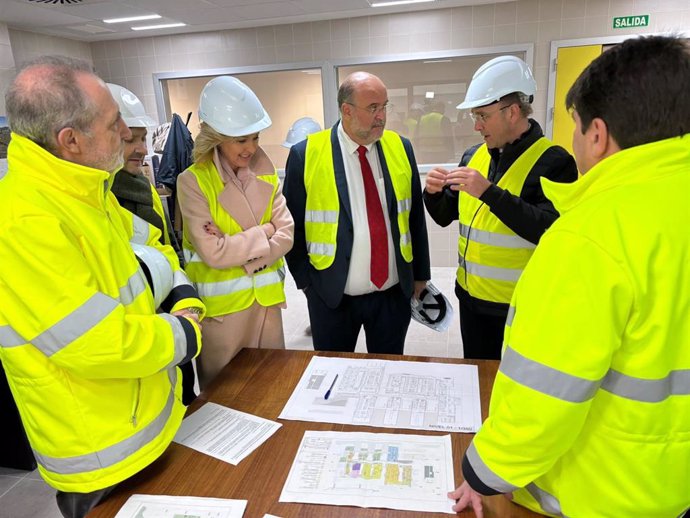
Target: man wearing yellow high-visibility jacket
{"x":496,"y":196}
{"x":590,"y":410}
{"x":91,"y":365}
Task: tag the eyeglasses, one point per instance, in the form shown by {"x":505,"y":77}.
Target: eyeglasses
{"x":483,"y":117}
{"x":373,"y":109}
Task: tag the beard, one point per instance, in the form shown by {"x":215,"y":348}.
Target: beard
{"x":111,"y":162}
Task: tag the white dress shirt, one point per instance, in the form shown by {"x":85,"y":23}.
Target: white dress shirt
{"x":359,"y":275}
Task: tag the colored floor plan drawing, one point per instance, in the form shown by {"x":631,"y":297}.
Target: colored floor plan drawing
{"x":393,"y":471}
{"x":390,"y":394}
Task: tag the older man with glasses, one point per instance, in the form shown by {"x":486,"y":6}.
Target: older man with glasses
{"x":496,"y":195}
{"x":361,"y":248}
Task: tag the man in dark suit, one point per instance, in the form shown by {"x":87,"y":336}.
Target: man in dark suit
{"x":361,"y":249}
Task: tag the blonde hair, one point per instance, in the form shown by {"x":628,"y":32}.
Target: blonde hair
{"x":206,"y":141}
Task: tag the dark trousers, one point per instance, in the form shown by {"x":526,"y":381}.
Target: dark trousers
{"x":385,"y":316}
{"x":482,"y":333}
{"x":78,"y":505}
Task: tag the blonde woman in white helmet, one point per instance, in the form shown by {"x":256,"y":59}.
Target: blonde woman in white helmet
{"x":496,"y":195}
{"x":236,"y":227}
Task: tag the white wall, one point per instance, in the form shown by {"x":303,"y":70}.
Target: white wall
{"x":132,"y":62}
{"x":6,"y":64}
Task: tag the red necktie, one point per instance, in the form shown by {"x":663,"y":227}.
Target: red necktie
{"x":378,"y":234}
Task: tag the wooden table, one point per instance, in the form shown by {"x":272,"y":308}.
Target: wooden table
{"x":260,"y":382}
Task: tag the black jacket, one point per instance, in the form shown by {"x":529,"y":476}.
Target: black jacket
{"x":529,"y":214}
{"x":329,"y":284}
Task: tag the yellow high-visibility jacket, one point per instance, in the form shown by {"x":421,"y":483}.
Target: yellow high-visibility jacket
{"x":231,"y":290}
{"x":90,"y":363}
{"x":590,"y":411}
{"x":491,"y":256}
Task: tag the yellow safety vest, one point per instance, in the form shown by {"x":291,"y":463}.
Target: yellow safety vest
{"x":90,"y":363}
{"x":491,"y":256}
{"x":323,"y":205}
{"x":590,"y":410}
{"x":230,"y":290}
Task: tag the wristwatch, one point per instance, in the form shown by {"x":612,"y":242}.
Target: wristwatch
{"x":196,"y":311}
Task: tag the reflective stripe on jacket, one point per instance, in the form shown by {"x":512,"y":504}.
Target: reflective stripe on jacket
{"x":323,"y":204}
{"x":231,"y":289}
{"x":90,"y":363}
{"x":590,"y":410}
{"x":491,"y":256}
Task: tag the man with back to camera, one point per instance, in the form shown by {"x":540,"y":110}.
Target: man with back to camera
{"x":361,"y":248}
{"x":91,"y":365}
{"x":496,"y":195}
{"x":590,"y":410}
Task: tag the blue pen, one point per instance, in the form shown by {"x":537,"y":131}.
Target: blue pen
{"x":328,"y":392}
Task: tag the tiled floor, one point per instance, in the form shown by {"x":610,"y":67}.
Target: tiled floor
{"x":25,"y":495}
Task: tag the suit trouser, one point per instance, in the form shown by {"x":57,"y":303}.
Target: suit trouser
{"x":385,"y":316}
{"x":482,"y":333}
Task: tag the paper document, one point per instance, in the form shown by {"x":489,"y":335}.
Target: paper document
{"x":390,"y":394}
{"x":224,"y":433}
{"x":407,"y":472}
{"x":160,"y":506}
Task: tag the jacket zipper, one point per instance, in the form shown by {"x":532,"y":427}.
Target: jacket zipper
{"x":135,"y":408}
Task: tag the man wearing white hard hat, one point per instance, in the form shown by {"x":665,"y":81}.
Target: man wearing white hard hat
{"x":132,"y":188}
{"x":137,"y":194}
{"x":236,"y":227}
{"x":496,"y":195}
{"x":361,"y":248}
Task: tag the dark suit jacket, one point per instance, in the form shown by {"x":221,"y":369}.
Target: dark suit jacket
{"x":329,"y":284}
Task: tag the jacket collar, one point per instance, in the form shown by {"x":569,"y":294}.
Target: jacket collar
{"x":639,"y":164}
{"x":28,"y":159}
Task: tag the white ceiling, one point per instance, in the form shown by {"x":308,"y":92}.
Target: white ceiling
{"x":82,"y":19}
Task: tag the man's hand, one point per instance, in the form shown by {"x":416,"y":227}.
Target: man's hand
{"x":467,"y":180}
{"x":435,"y":180}
{"x":418,"y":288}
{"x":465,"y":497}
{"x":186,"y":313}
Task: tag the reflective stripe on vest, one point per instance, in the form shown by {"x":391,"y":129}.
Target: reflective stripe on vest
{"x":491,"y":256}
{"x":141,"y":230}
{"x":230,"y":290}
{"x":247,"y":282}
{"x":564,"y":386}
{"x":117,"y":452}
{"x":323,"y":204}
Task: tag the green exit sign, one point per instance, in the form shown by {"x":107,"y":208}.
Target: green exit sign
{"x":627,"y":22}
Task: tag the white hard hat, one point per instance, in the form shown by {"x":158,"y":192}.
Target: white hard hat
{"x":231,"y":108}
{"x":131,"y":108}
{"x":157,"y":269}
{"x":496,"y":78}
{"x":432,"y":309}
{"x":299,"y":131}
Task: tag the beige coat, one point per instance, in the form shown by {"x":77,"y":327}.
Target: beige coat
{"x":245,"y":198}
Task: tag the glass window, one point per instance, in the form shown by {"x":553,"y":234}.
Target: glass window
{"x":424,"y":94}
{"x":286,"y":95}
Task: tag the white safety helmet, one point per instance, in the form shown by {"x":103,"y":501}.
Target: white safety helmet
{"x":433,"y":309}
{"x":231,"y":108}
{"x":496,"y":78}
{"x":157,"y":269}
{"x":299,"y":131}
{"x":131,"y":108}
